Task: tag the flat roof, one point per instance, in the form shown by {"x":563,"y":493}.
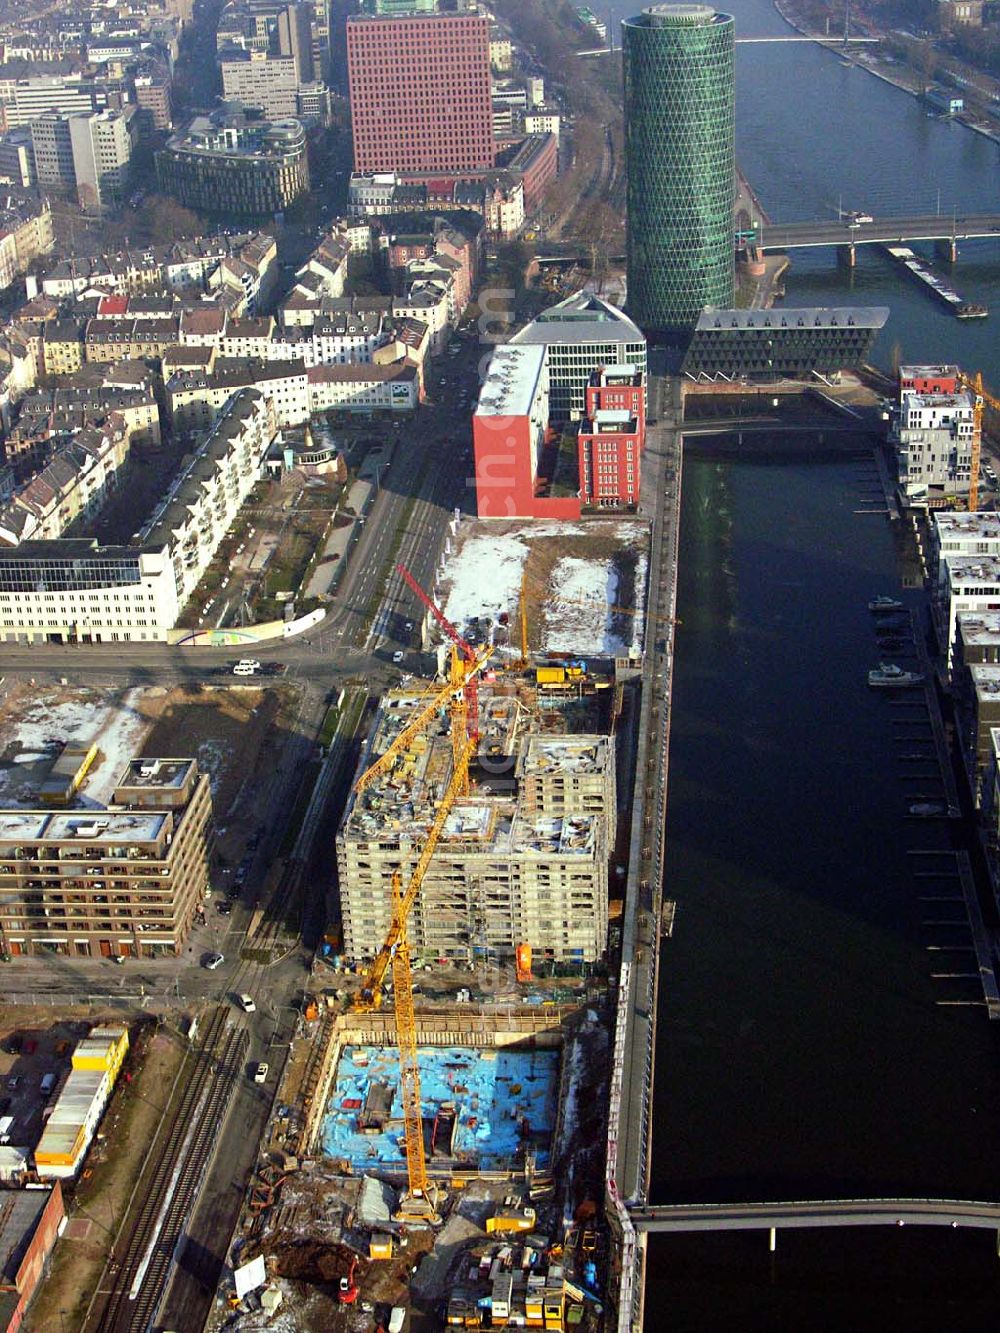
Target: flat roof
{"x":979,"y":626}
{"x":511,"y":381}
{"x":927,"y":372}
{"x":981,"y":524}
{"x":102,"y":826}
{"x":910,"y":398}
{"x":973,"y":568}
{"x":986,"y":678}
{"x":565,"y":754}
{"x":27,"y":825}
{"x":581,"y":318}
{"x":155,"y":773}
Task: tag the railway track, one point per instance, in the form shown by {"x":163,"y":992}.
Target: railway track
{"x":136,"y":1277}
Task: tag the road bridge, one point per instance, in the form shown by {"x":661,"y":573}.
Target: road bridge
{"x":946,"y":230}
{"x":880,"y":231}
{"x":817,"y":1213}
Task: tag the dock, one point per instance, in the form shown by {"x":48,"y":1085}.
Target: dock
{"x":981,"y":941}
{"x":943,"y":290}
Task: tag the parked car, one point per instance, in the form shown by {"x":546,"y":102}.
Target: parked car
{"x":246,"y":1004}
{"x":214,"y":960}
{"x":397,"y":656}
{"x":260,"y":1072}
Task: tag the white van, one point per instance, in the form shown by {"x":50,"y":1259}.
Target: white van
{"x":244,"y":669}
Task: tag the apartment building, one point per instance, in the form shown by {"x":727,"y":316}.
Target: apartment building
{"x":123,"y":881}
{"x":195,"y":397}
{"x":260,"y":81}
{"x":202,"y":503}
{"x":364,"y":388}
{"x":83,"y":471}
{"x":235,"y":166}
{"x":25,"y":234}
{"x":78,"y":591}
{"x":522,"y":859}
{"x":932,"y":434}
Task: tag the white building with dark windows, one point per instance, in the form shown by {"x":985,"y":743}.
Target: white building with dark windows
{"x":582,"y":333}
{"x":932,"y":433}
{"x":77,"y":591}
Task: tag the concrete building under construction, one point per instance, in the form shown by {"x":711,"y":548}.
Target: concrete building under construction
{"x":522,"y":858}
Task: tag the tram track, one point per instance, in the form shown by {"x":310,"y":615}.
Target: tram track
{"x":136,"y":1277}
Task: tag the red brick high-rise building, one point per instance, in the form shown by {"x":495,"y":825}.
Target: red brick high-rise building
{"x":420,"y":92}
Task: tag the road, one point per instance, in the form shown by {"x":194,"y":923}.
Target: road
{"x":366,"y":625}
{"x":880,"y":231}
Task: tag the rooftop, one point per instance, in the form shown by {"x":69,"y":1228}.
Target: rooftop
{"x":983,"y":524}
{"x":986,"y":679}
{"x":568,"y":754}
{"x":511,"y":381}
{"x":156,"y":773}
{"x":806,"y":317}
{"x":973,"y":568}
{"x":19,"y":1214}
{"x":979,"y":627}
{"x":927,"y":372}
{"x":910,"y":399}
{"x":581,"y":318}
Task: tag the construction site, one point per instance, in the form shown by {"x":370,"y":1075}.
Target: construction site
{"x":437,"y":1150}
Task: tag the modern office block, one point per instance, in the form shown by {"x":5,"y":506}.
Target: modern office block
{"x":680,"y":118}
{"x":420,"y":92}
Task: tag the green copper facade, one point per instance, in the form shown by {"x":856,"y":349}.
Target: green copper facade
{"x":680,"y":129}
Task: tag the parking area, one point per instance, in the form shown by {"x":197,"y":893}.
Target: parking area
{"x":33,"y":1063}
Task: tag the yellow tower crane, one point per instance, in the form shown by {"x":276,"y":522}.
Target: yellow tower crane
{"x":421,"y":1197}
{"x":981,"y":398}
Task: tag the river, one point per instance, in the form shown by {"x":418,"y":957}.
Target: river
{"x":801,"y":1051}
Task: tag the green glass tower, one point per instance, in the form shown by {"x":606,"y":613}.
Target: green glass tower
{"x":680,"y":130}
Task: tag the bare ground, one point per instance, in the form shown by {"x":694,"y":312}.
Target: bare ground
{"x":99,"y":1199}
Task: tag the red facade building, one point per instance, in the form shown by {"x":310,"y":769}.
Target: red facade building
{"x":420,"y":92}
{"x":609,"y":458}
{"x":929,"y":379}
{"x":612,"y":437}
{"x":617,"y":389}
{"x":510,"y":440}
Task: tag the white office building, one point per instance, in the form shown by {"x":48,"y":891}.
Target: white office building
{"x":933,"y":434}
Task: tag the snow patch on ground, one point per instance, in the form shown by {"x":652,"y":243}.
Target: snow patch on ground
{"x":487,"y":579}
{"x":210,"y":761}
{"x":576,"y":614}
{"x":483,"y":580}
{"x":116,"y":725}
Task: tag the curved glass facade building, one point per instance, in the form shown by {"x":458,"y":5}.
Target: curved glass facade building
{"x":680,"y":129}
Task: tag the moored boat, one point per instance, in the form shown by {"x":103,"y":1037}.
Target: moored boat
{"x":888,"y":676}
{"x":883,"y":603}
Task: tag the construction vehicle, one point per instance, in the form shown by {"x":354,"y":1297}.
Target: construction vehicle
{"x":981,"y":398}
{"x":347,"y":1291}
{"x":420,"y":1200}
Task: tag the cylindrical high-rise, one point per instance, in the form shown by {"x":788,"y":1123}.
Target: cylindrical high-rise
{"x":680,"y":132}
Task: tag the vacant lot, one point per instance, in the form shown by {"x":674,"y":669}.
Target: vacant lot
{"x":237,"y":736}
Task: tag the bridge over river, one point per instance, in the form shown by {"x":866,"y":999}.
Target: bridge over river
{"x":817,"y":1213}
{"x":948,"y":229}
